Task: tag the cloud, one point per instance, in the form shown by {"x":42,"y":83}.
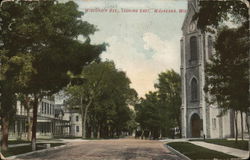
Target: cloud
{"x":142,"y":71}
{"x":166,"y":52}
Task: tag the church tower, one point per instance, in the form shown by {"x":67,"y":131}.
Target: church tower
{"x":194,"y":111}
{"x":199,"y":118}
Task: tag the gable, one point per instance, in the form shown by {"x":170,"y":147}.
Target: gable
{"x":188,"y":18}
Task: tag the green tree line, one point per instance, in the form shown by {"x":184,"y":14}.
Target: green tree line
{"x":159,"y":112}
{"x":103,"y":100}
{"x":39,"y":52}
{"x":227,"y":71}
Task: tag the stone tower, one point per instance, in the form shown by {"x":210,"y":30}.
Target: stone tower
{"x":193,"y":56}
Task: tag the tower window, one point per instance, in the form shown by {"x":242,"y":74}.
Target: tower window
{"x":193,"y":48}
{"x":210,"y":46}
{"x":194,"y":90}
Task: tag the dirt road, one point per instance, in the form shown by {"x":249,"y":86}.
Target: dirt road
{"x":120,"y":149}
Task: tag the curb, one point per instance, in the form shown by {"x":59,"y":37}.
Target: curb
{"x":182,"y":156}
{"x":38,"y":151}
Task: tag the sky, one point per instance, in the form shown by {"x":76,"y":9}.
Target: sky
{"x":142,"y":42}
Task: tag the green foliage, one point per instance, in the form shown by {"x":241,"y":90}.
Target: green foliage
{"x":110,"y":92}
{"x":227,"y":73}
{"x":159,"y":111}
{"x":39,"y":48}
{"x":148,"y":113}
{"x":235,"y":12}
{"x":48,"y":33}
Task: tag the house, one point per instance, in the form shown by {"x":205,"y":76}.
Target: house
{"x":50,"y":120}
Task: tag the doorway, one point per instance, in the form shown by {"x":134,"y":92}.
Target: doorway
{"x":196,"y":126}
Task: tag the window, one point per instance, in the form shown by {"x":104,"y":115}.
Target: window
{"x":45,"y":108}
{"x":214,"y":123}
{"x":77,"y":118}
{"x":194,"y":90}
{"x":193,"y":48}
{"x":50,"y":112}
{"x":210,"y":46}
{"x":77,"y":128}
{"x":52,"y":109}
{"x":42,"y":107}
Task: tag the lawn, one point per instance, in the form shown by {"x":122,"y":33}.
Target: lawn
{"x":243,"y":145}
{"x":25,"y":149}
{"x":17,"y":141}
{"x":196,"y":152}
{"x":230,"y":143}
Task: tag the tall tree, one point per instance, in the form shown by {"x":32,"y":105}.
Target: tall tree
{"x":103,"y":98}
{"x":48,"y":31}
{"x":14,"y":72}
{"x":228,"y":72}
{"x":148,"y":115}
{"x":228,"y":68}
{"x":169,"y":89}
{"x":159,"y":111}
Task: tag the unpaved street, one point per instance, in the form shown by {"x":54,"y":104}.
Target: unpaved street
{"x":120,"y":149}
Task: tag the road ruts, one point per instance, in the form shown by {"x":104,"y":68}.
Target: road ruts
{"x":120,"y":149}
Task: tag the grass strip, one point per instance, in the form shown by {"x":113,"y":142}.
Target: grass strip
{"x":25,"y":149}
{"x":196,"y":152}
{"x":243,"y":145}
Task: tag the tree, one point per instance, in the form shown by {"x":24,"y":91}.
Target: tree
{"x":26,"y":102}
{"x":148,"y":115}
{"x":103,"y":99}
{"x":159,"y":111}
{"x":228,"y":72}
{"x":48,"y":31}
{"x":228,"y":68}
{"x":14,"y":72}
{"x":169,"y":89}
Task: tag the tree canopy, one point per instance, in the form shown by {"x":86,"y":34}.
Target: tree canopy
{"x":159,"y":112}
{"x":103,"y":98}
{"x":40,"y":49}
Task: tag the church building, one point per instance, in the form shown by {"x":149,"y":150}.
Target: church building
{"x":199,"y":118}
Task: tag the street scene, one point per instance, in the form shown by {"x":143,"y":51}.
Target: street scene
{"x":127,"y":79}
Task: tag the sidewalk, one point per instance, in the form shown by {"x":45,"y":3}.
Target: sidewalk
{"x":231,"y":151}
{"x":18,"y":145}
{"x":38,"y":141}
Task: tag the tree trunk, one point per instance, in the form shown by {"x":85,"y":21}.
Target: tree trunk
{"x":92,"y":132}
{"x":160,"y":137}
{"x":179,"y":125}
{"x":5,"y":131}
{"x":242,"y":130}
{"x":34,"y":123}
{"x":29,"y":131}
{"x":236,"y":126}
{"x":142,"y":134}
{"x":85,"y":119}
{"x":149,"y":135}
{"x":98,"y":131}
{"x":247,"y":124}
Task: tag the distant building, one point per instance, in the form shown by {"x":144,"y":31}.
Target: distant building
{"x":75,"y":120}
{"x":52,"y":120}
{"x":198,"y":118}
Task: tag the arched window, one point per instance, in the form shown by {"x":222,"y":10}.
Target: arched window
{"x":193,"y":48}
{"x":210,"y":46}
{"x":194,"y":90}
